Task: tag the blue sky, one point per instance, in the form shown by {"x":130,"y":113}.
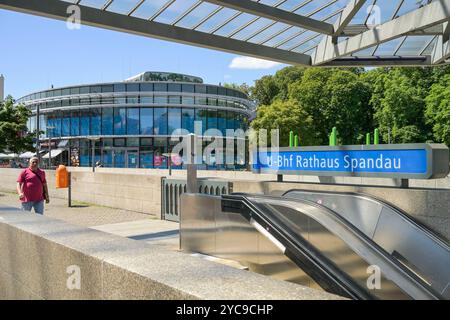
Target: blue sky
{"x":37,"y":52}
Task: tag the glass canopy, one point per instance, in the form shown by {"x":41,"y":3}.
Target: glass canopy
{"x":303,"y":32}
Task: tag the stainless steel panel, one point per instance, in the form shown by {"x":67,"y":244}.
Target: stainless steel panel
{"x":336,"y":243}
{"x":363,"y":213}
{"x":197,"y":223}
{"x":204,"y":228}
{"x":416,"y":248}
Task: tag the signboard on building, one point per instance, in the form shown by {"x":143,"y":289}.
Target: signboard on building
{"x":405,"y":161}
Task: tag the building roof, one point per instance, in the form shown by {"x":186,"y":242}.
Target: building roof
{"x":300,"y":32}
{"x":163,"y":76}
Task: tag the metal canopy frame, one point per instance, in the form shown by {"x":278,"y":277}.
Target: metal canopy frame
{"x":299,"y":32}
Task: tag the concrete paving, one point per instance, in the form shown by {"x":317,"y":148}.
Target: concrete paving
{"x":81,"y":214}
{"x":157,"y":232}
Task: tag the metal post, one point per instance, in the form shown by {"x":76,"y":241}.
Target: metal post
{"x":368,"y":139}
{"x":169,"y":158}
{"x":192,"y":182}
{"x":376,"y":139}
{"x":291,"y":139}
{"x":49,"y":153}
{"x":69,"y":196}
{"x":38,"y":129}
{"x":93,"y":155}
{"x":404,"y":183}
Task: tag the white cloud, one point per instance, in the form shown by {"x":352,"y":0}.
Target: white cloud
{"x":252,"y":63}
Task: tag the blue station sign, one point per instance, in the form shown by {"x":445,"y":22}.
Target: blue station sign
{"x":420,"y":161}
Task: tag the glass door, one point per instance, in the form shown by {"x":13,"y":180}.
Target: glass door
{"x":132,"y":159}
{"x":119,"y":158}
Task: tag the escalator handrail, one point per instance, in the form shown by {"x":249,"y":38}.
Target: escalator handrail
{"x":326,"y":268}
{"x":368,"y":242}
{"x":430,"y":233}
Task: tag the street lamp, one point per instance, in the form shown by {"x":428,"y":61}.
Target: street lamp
{"x":93,"y":140}
{"x":49,"y":146}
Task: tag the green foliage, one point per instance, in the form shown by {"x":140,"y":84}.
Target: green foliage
{"x":407,"y":104}
{"x":13,"y":127}
{"x":286,"y":116}
{"x":245,"y":88}
{"x":438,"y":109}
{"x":276,"y":87}
{"x":335,"y":98}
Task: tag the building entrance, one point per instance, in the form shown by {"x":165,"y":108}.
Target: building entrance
{"x":120,"y":157}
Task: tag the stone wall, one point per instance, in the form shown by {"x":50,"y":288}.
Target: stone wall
{"x":135,"y":192}
{"x":42,"y":258}
{"x":140,"y":189}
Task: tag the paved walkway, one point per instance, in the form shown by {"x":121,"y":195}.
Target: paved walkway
{"x":130,"y":224}
{"x":81,"y":214}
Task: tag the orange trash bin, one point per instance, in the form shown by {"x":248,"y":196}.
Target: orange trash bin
{"x":62,"y":177}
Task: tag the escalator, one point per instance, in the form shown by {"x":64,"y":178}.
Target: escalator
{"x":406,"y":240}
{"x":332,"y":251}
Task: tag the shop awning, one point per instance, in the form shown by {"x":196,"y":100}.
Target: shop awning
{"x":55,"y":153}
{"x":8,"y":155}
{"x":27,"y":155}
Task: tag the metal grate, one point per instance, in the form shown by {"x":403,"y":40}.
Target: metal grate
{"x":172,"y":189}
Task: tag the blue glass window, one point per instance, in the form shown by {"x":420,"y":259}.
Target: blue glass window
{"x":174,"y":99}
{"x":161,"y":99}
{"x":212,"y":119}
{"x":201,"y":115}
{"x":56,"y":132}
{"x":75,"y":124}
{"x":146,"y":99}
{"x":65,"y":128}
{"x":200,"y":88}
{"x":188,"y":88}
{"x":147,"y":121}
{"x":120,"y":121}
{"x":146,"y":159}
{"x":187,"y":120}
{"x":132,"y":87}
{"x":119,"y":87}
{"x":85,"y":123}
{"x":134,"y":99}
{"x":230,"y":120}
{"x":187,"y":100}
{"x":133,"y":121}
{"x":107,"y":121}
{"x":160,"y":121}
{"x":222,"y":121}
{"x":160,"y":87}
{"x":146,"y":87}
{"x":174,"y":119}
{"x":96,"y":122}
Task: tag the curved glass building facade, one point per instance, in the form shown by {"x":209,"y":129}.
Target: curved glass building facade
{"x":130,"y":123}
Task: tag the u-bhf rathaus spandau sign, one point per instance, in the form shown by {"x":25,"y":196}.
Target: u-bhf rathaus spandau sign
{"x":405,"y":161}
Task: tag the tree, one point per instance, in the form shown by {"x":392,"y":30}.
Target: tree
{"x":286,"y":116}
{"x":13,"y":127}
{"x":400,"y":105}
{"x":245,"y":88}
{"x":438,"y":109}
{"x":335,"y":98}
{"x":264,"y":91}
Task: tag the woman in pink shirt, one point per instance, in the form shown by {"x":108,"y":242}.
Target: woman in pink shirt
{"x":32,"y":187}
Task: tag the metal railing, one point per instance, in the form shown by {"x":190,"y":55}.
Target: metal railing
{"x":172,"y":189}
